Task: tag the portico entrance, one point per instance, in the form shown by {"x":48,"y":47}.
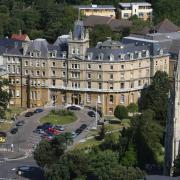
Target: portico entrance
{"x":76,"y":99}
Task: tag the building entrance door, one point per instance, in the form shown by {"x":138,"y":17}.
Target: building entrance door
{"x":76,"y":99}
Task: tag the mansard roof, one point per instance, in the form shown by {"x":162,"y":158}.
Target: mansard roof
{"x":42,"y":46}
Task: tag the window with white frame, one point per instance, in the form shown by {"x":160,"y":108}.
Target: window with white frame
{"x":89,"y":85}
{"x":122,"y":98}
{"x":17,"y":81}
{"x":17,"y":93}
{"x":100,"y":85}
{"x":38,"y":83}
{"x":111,"y":76}
{"x":53,"y":64}
{"x":43,"y":73}
{"x":63,"y":74}
{"x":100,"y":66}
{"x":111,"y":99}
{"x":18,"y":69}
{"x":9,"y":68}
{"x":13,"y":68}
{"x":53,"y":73}
{"x":122,"y":85}
{"x":122,"y":66}
{"x":111,"y":86}
{"x":26,"y":63}
{"x":53,"y":82}
{"x":26,"y":72}
{"x":99,"y":76}
{"x":89,"y":66}
{"x":111,"y":67}
{"x":37,"y":73}
{"x":88,"y":98}
{"x":89,"y":76}
{"x":43,"y":64}
{"x":64,"y":64}
{"x":99,"y":99}
{"x":122,"y":75}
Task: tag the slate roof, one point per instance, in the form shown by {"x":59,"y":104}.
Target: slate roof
{"x":78,"y":29}
{"x":114,"y":24}
{"x":116,"y":49}
{"x":166,"y":26}
{"x":43,"y":47}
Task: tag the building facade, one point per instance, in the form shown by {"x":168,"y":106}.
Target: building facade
{"x":97,"y":10}
{"x":70,"y":72}
{"x":142,"y":10}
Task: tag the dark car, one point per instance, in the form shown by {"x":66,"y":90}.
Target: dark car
{"x":78,"y":131}
{"x":3,"y":134}
{"x":20,"y":123}
{"x":28,"y":114}
{"x":58,"y":127}
{"x":14,"y":130}
{"x":91,"y":114}
{"x":38,"y":110}
{"x":74,"y":108}
{"x":83,"y":126}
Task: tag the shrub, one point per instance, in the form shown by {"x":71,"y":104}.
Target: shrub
{"x":121,"y":112}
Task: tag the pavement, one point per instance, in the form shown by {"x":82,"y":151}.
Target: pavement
{"x":25,"y":141}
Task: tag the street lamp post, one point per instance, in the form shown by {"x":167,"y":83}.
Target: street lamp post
{"x":96,"y":115}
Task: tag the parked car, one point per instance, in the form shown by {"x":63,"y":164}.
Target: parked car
{"x":14,"y":130}
{"x":2,"y":139}
{"x":91,"y":114}
{"x":78,"y":131}
{"x":83,"y":126}
{"x":54,"y":131}
{"x":20,"y":123}
{"x":3,"y":134}
{"x":74,"y":108}
{"x":46,"y":126}
{"x":58,"y":127}
{"x":28,"y":114}
{"x":38,"y":110}
{"x":74,"y":134}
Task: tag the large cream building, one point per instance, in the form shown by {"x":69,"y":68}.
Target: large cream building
{"x":97,"y":10}
{"x":142,"y":10}
{"x":69,"y":72}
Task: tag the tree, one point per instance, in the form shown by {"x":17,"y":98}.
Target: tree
{"x":121,"y":112}
{"x":132,"y":107}
{"x":176,"y":168}
{"x":155,"y":97}
{"x":47,"y":153}
{"x":147,"y":135}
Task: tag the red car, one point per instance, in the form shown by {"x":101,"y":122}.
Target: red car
{"x":54,"y":131}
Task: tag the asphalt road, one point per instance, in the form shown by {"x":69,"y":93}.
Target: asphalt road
{"x":26,"y":139}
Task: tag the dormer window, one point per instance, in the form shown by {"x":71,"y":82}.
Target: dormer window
{"x":100,"y":56}
{"x":111,"y":57}
{"x":90,"y":56}
{"x":31,"y":54}
{"x":161,"y":52}
{"x":121,"y":56}
{"x":147,"y":53}
{"x":139,"y":55}
{"x":38,"y":53}
{"x":52,"y":54}
{"x":131,"y":56}
{"x":64,"y":54}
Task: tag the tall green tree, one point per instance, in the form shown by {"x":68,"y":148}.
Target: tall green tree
{"x":155,"y":97}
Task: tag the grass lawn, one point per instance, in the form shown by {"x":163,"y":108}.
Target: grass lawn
{"x":87,"y":144}
{"x":5,"y":126}
{"x":58,"y":119}
{"x":10,"y":112}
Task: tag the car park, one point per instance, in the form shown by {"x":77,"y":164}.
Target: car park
{"x":91,"y":113}
{"x":38,"y":110}
{"x":58,"y":127}
{"x":29,"y":114}
{"x":20,"y":123}
{"x":14,"y":130}
{"x":74,"y":108}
